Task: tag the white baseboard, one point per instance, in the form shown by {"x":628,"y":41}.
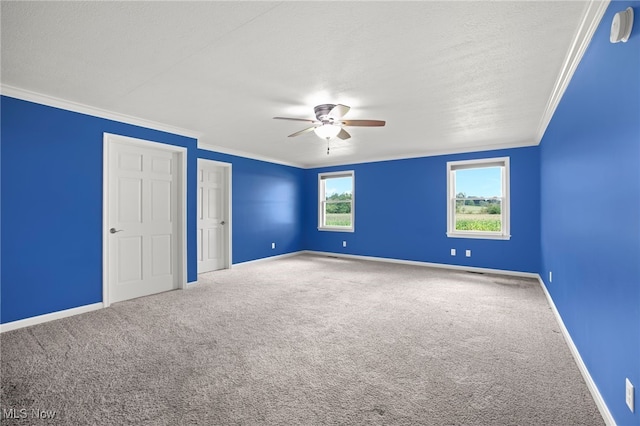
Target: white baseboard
{"x":14,"y":325}
{"x":595,"y":393}
{"x":428,"y":264}
{"x":262,"y":259}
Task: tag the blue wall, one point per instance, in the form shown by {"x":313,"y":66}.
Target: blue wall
{"x":575,"y":210}
{"x":266,"y":204}
{"x":52,"y":206}
{"x":51,"y":198}
{"x":401,"y":213}
{"x":590,"y":212}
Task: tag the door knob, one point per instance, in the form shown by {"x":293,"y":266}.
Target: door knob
{"x":222,"y":223}
{"x":114,"y":230}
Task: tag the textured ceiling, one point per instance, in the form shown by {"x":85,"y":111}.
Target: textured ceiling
{"x":446,"y":76}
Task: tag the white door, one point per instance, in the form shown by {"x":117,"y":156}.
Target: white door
{"x":142,"y":217}
{"x":212,"y":220}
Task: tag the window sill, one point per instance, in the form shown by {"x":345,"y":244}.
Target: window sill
{"x":478,"y":235}
{"x":334,"y":229}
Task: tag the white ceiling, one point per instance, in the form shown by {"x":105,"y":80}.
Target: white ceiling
{"x":446,"y":76}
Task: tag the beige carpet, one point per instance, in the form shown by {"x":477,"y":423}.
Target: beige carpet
{"x":301,"y":341}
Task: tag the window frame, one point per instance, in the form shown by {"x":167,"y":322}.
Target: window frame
{"x":505,"y":207}
{"x":322,"y":200}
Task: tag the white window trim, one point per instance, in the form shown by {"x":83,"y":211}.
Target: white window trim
{"x":321,"y":197}
{"x":505,"y":234}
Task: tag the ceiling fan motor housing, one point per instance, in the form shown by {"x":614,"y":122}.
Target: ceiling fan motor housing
{"x":323,"y":110}
{"x":329,"y":122}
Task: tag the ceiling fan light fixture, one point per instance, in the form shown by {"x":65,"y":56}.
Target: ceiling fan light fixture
{"x":330,"y":124}
{"x":327,"y":131}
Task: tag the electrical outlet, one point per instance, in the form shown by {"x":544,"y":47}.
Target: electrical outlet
{"x":344,"y":244}
{"x":273,"y":245}
{"x":467,"y":253}
{"x":550,"y":277}
{"x":629,"y":395}
{"x":453,"y":252}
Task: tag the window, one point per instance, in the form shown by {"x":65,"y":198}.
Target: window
{"x":478,"y":198}
{"x":336,"y":201}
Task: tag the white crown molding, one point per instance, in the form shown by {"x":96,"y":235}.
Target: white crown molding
{"x":593,"y":14}
{"x":595,"y":393}
{"x":343,"y":162}
{"x":423,"y":154}
{"x":594,"y":11}
{"x":39,"y":98}
{"x":223,"y":150}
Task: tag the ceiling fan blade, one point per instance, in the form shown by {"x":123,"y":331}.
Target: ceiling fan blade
{"x":307,"y":130}
{"x":364,"y":123}
{"x":296,"y":119}
{"x":344,"y":135}
{"x":338,"y":111}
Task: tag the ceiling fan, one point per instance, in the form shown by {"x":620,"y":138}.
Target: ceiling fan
{"x":329,"y":122}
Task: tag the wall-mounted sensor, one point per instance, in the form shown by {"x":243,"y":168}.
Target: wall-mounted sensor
{"x":621,"y":26}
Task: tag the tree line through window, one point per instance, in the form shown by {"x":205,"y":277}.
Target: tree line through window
{"x":478,"y":198}
{"x":338,"y":210}
{"x":336,"y":201}
{"x":478,"y":213}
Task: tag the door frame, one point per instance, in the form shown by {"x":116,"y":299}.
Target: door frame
{"x":181,"y":176}
{"x":227,"y":208}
